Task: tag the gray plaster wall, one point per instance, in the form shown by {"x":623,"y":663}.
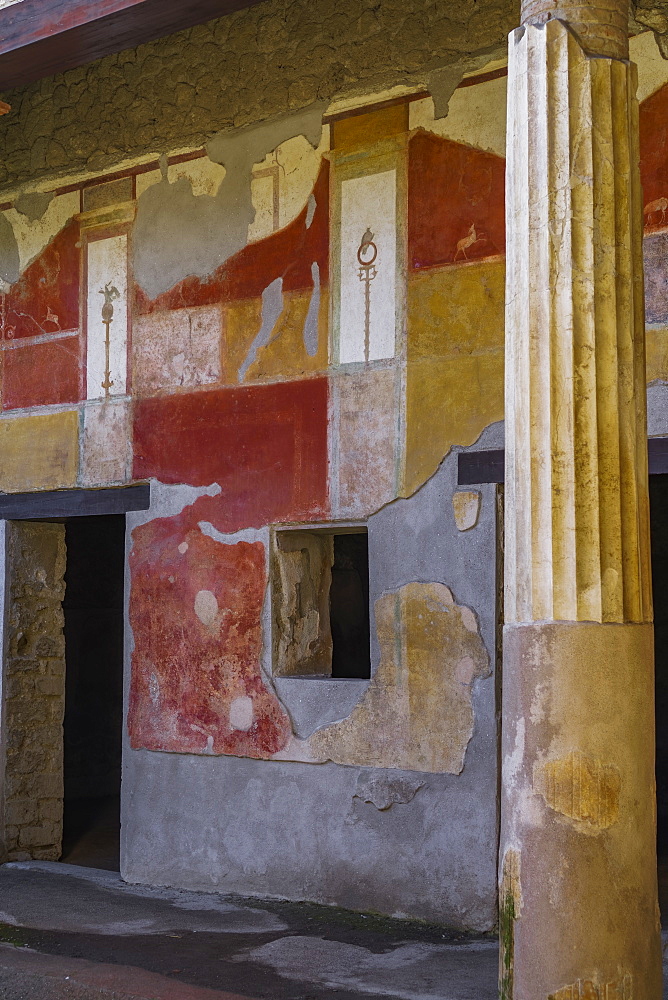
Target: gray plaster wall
{"x":396,"y":842}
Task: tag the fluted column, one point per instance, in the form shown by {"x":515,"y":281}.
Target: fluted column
{"x":578,"y":885}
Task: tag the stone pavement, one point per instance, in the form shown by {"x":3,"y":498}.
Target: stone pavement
{"x":80,"y":934}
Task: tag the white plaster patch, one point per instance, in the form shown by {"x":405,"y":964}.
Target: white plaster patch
{"x":466,"y":508}
{"x":107,"y":268}
{"x":652,"y":67}
{"x":168,"y":501}
{"x":183,"y":548}
{"x":242,"y":714}
{"x":32,"y":237}
{"x":154,"y":688}
{"x":282,"y":184}
{"x":107,"y":442}
{"x":206,"y":607}
{"x":232,"y":537}
{"x":539,"y":703}
{"x":368,"y":233}
{"x":203,"y":175}
{"x":476,"y":116}
{"x":513,"y":761}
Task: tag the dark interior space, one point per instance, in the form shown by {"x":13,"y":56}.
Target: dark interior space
{"x":658,"y":495}
{"x":93,"y":611}
{"x":349,"y":606}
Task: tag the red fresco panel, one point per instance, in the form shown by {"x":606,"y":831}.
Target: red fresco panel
{"x":195,"y":612}
{"x":39,"y":374}
{"x":266,"y":445}
{"x":45,"y":299}
{"x":654,"y":156}
{"x":456,"y":202}
{"x":288,"y":253}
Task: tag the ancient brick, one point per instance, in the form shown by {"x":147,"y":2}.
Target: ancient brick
{"x":20,"y":811}
{"x":49,"y":686}
{"x":37,"y":836}
{"x":33,"y":780}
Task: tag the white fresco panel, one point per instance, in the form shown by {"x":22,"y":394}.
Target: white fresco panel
{"x":107,"y":267}
{"x":368,"y":216}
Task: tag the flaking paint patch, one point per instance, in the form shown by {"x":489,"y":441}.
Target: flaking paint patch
{"x":33,"y":231}
{"x":416,"y":714}
{"x":106,"y":449}
{"x":272,"y":306}
{"x":364,"y":441}
{"x":589,"y":989}
{"x":196,"y":618}
{"x":466,"y":508}
{"x":179,"y":233}
{"x":289,"y":348}
{"x":581,"y":788}
{"x":177,"y":348}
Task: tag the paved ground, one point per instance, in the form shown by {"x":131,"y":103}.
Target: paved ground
{"x":118,"y":941}
{"x":82,"y":934}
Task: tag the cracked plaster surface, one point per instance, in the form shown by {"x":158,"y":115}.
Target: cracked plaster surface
{"x":242,"y":69}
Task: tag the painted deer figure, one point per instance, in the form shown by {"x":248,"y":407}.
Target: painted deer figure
{"x":467,"y":241}
{"x":653,"y":207}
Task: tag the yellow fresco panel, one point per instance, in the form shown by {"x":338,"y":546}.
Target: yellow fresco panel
{"x":456,"y":310}
{"x":656,"y":348}
{"x":39,"y":452}
{"x":455,"y":362}
{"x":285,"y":354}
{"x":360,"y":131}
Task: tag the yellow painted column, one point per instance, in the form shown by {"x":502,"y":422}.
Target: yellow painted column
{"x":578,"y":883}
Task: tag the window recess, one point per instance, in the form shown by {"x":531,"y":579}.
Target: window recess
{"x":320,"y":603}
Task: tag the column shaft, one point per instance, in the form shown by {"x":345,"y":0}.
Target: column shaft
{"x":578,"y":894}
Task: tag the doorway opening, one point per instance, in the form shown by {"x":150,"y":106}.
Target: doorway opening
{"x":658,"y":495}
{"x":93,"y":723}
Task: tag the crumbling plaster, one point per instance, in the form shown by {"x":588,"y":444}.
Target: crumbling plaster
{"x":236,"y":819}
{"x":239,"y":70}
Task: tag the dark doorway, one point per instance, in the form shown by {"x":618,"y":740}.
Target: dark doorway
{"x":658,"y":494}
{"x":349,"y":606}
{"x":93,"y":612}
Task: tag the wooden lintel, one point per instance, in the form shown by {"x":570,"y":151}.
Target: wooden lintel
{"x":40,"y":38}
{"x":57,"y":504}
{"x":477,"y":467}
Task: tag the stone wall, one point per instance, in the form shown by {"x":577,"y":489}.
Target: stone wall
{"x":278,"y":56}
{"x":34,"y":690}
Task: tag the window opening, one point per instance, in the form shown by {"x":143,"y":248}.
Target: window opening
{"x":320,"y":597}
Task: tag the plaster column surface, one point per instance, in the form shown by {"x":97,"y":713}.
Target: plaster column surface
{"x":578,"y":883}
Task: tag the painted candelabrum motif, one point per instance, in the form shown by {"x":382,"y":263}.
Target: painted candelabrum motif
{"x":366,"y":257}
{"x":110,"y":293}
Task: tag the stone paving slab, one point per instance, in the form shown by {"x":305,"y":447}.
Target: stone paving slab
{"x":27,"y":972}
{"x":123,"y":942}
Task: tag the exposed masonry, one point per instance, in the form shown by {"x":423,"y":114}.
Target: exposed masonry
{"x":279,"y":56}
{"x":34,"y":689}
